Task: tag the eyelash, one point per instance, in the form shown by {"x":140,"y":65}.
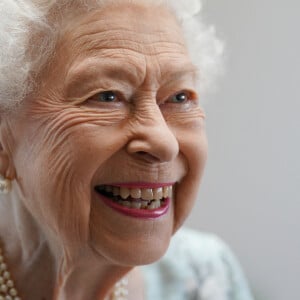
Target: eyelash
{"x":118,"y":97}
{"x":186,"y":94}
{"x":97,"y":96}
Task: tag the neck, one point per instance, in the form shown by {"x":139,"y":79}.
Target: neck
{"x":45,"y":272}
{"x":88,"y":279}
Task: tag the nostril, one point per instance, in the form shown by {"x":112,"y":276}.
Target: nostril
{"x":142,"y":153}
{"x":147,"y":156}
{"x":152,"y":147}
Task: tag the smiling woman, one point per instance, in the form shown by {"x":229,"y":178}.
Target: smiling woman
{"x":103,"y":143}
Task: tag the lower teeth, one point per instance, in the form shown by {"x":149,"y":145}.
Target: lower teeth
{"x":140,"y":204}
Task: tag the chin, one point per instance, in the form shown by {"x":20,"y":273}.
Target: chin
{"x":126,"y":240}
{"x":134,"y":248}
{"x":142,"y":253}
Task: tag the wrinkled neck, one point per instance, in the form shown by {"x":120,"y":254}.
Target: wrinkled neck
{"x":41,"y":269}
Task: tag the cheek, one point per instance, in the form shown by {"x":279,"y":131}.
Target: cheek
{"x":56,"y":164}
{"x":73,"y":143}
{"x":193,"y":148}
{"x":189,"y":129}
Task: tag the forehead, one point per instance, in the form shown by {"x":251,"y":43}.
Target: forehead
{"x":132,"y":33}
{"x":146,"y":24}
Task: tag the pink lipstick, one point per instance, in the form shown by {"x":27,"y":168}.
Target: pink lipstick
{"x":139,"y":200}
{"x":138,"y":213}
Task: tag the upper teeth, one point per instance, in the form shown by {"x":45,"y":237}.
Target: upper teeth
{"x":140,"y":193}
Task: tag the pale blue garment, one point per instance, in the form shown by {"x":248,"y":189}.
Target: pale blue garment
{"x":197,"y":266}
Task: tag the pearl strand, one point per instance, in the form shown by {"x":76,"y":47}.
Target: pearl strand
{"x":120,"y":291}
{"x":7,"y":286}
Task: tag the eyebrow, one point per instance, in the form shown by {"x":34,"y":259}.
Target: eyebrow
{"x":179,"y":72}
{"x":90,"y":70}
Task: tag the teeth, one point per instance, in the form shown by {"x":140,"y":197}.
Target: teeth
{"x":141,"y":204}
{"x":136,"y":204}
{"x":148,"y":198}
{"x":147,"y":194}
{"x":124,"y":192}
{"x":165,"y":191}
{"x":154,"y":204}
{"x":136,"y":193}
{"x":157,"y":203}
{"x":158,"y":193}
{"x":126,"y":203}
{"x":144,"y":204}
{"x":151,"y":206}
{"x":170,"y":192}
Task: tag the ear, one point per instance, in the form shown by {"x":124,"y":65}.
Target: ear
{"x":7,"y":169}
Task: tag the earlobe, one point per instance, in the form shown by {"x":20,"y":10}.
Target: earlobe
{"x":5,"y":185}
{"x":5,"y":178}
{"x":3,"y":161}
{"x":7,"y":170}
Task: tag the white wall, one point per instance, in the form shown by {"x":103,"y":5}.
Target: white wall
{"x":250,"y":194}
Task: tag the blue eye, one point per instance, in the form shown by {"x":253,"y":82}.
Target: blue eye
{"x":181,"y":97}
{"x":107,"y":96}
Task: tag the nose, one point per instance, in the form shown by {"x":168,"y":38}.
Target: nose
{"x":152,"y":140}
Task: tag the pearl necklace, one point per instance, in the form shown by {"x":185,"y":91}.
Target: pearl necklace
{"x":120,"y":291}
{"x":7,"y":285}
{"x":8,"y":290}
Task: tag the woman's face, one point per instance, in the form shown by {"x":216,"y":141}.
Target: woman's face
{"x":117,"y":110}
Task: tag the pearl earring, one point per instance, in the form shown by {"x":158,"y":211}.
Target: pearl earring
{"x":5,"y":185}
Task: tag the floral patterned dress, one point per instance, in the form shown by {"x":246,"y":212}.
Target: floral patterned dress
{"x":197,"y":266}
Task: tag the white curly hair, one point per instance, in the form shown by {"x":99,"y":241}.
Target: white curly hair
{"x":29,"y":30}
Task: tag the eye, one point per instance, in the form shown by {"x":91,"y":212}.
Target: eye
{"x":106,"y":96}
{"x":181,"y":97}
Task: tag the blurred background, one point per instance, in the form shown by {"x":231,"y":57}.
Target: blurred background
{"x":250,"y":195}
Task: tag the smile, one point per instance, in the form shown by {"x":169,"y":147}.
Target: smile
{"x":137,"y":201}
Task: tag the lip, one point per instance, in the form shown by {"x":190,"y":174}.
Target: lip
{"x":137,"y":213}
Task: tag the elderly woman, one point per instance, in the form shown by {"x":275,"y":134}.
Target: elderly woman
{"x":102,"y":148}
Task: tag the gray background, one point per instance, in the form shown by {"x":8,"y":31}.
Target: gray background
{"x":250,"y":193}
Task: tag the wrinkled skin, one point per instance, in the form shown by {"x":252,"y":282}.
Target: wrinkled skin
{"x":65,"y":140}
